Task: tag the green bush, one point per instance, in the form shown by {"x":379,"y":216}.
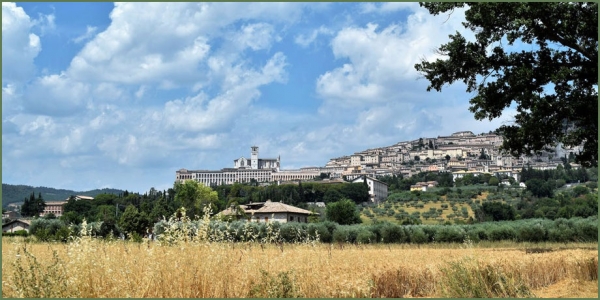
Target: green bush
{"x":289,"y":232}
{"x":320,"y":229}
{"x":416,"y":235}
{"x":47,"y":229}
{"x":450,"y":234}
{"x":392,"y":233}
{"x":586,"y":230}
{"x":365,"y":236}
{"x":341,"y":235}
{"x":476,"y":234}
{"x":561,"y":233}
{"x":534,"y":233}
{"x":16,"y":233}
{"x":502,"y":233}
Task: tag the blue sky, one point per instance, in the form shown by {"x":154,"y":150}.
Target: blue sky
{"x":122,"y":95}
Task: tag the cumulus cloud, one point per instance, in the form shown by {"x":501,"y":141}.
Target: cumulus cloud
{"x":147,"y":42}
{"x":240,"y":88}
{"x":56,"y":95}
{"x":19,"y":45}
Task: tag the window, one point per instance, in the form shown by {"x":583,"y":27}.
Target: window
{"x":266,"y":219}
{"x":291,"y":218}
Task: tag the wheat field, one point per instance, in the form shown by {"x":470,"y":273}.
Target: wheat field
{"x":91,"y":268}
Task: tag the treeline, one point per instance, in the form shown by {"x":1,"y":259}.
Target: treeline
{"x":16,"y":193}
{"x":543,"y":183}
{"x":33,"y":206}
{"x":134,"y":213}
{"x":293,"y":194}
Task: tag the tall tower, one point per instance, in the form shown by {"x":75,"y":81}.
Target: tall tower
{"x":254,"y":158}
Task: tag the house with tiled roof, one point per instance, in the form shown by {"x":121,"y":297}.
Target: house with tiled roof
{"x":16,"y":225}
{"x":268,"y":212}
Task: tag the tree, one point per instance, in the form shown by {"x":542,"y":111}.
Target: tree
{"x":358,"y":192}
{"x":332,"y":195}
{"x":553,"y":81}
{"x":539,"y":187}
{"x":498,"y":211}
{"x":494,"y":181}
{"x":71,"y":217}
{"x":343,"y":212}
{"x":132,"y":221}
{"x":194,"y":196}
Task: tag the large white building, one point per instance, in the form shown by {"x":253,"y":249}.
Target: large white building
{"x":378,"y":190}
{"x":259,"y":169}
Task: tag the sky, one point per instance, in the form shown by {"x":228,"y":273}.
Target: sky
{"x":121,"y":95}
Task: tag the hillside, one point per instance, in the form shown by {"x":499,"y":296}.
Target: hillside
{"x":16,"y":193}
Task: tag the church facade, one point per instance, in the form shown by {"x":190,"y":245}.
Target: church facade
{"x":260,"y":169}
{"x":244,"y":170}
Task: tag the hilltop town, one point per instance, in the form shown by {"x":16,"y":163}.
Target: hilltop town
{"x":460,"y":153}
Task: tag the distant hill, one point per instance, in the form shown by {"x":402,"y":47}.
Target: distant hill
{"x":17,"y":193}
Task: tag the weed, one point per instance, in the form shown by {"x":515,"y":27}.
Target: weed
{"x":281,"y":285}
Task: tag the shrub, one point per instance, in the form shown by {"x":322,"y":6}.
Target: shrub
{"x":340,"y":235}
{"x":416,"y":235}
{"x":586,"y":229}
{"x":502,"y":232}
{"x":320,"y":229}
{"x":281,"y":285}
{"x":16,"y":233}
{"x":365,"y":236}
{"x":450,"y":234}
{"x":534,"y":233}
{"x":353,"y":233}
{"x":562,"y":233}
{"x":477,"y":234}
{"x":392,"y":233}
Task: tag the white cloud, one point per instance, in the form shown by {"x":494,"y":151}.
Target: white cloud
{"x":374,"y":98}
{"x":240,"y":88}
{"x":148,"y":42}
{"x":388,"y":7}
{"x":257,"y":36}
{"x":305,"y":41}
{"x":19,"y":45}
{"x":89,"y":33}
{"x":45,"y":23}
{"x":57,"y":95}
{"x":381,"y":61}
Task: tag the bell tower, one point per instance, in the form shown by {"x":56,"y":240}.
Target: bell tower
{"x":254,"y":158}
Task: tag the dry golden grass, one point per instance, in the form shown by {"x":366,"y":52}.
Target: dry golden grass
{"x":92,"y":268}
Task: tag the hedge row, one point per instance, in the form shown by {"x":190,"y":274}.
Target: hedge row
{"x":529,"y":230}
